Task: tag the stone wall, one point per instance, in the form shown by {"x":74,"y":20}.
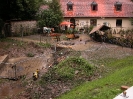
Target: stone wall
{"x":19,"y":28}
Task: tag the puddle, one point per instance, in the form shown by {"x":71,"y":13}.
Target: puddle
{"x":23,"y":66}
{"x":12,"y":88}
{"x":8,"y":90}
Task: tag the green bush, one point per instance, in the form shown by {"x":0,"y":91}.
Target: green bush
{"x":71,"y":69}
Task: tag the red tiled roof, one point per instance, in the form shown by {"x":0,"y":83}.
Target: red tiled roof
{"x":82,"y":8}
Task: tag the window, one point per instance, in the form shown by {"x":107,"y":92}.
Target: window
{"x":94,"y":6}
{"x":69,"y":6}
{"x":119,"y":22}
{"x":93,"y":22}
{"x":118,"y":6}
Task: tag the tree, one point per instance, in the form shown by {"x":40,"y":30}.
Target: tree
{"x":19,"y":9}
{"x":56,"y":7}
{"x":49,"y":18}
{"x":52,"y":16}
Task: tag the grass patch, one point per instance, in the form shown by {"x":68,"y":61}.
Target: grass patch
{"x":44,"y":45}
{"x":108,"y":86}
{"x":72,"y":69}
{"x":10,"y":43}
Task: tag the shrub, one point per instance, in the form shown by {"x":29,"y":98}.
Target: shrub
{"x":71,"y":69}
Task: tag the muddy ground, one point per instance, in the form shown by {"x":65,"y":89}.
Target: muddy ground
{"x":90,"y":50}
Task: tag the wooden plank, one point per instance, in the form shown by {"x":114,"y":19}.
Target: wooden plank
{"x":3,"y":59}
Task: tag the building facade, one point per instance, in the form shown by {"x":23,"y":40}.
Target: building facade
{"x":113,"y":13}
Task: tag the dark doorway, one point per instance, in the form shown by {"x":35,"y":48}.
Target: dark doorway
{"x":72,"y":20}
{"x":7,"y":31}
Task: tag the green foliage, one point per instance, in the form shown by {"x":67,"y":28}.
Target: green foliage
{"x":88,"y":28}
{"x":69,"y":30}
{"x":79,"y":65}
{"x":107,"y":87}
{"x":55,"y":6}
{"x":65,"y":73}
{"x":19,"y":9}
{"x":10,"y":41}
{"x":72,"y":69}
{"x":75,"y":30}
{"x":45,"y":45}
{"x":50,"y":17}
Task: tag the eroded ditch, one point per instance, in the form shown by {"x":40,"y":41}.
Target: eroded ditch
{"x":12,"y":88}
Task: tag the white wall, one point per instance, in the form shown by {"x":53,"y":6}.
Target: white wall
{"x":126,"y":24}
